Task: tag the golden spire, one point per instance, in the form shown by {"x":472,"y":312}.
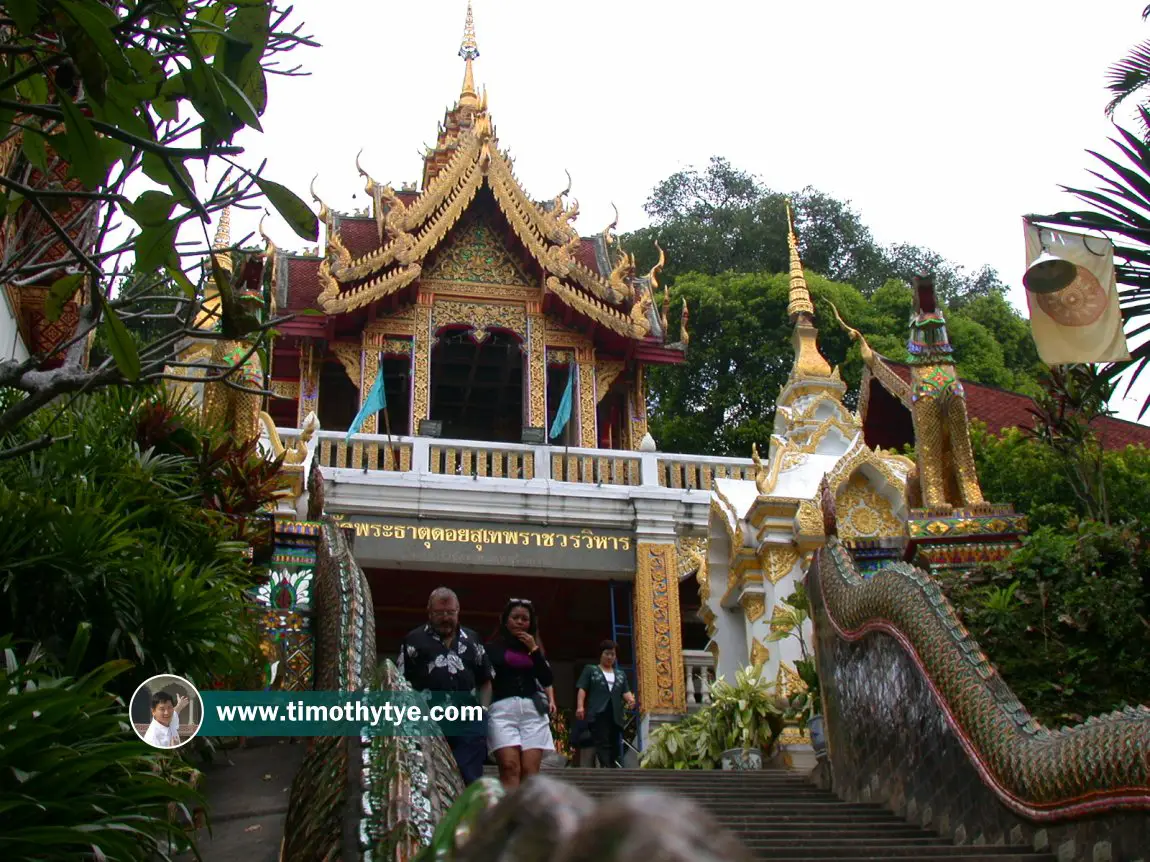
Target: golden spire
{"x":808,"y":361}
{"x":799,"y":302}
{"x":469,"y":50}
{"x":224,"y":239}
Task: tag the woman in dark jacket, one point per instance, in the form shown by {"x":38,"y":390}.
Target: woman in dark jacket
{"x":518,"y":722}
{"x":603,"y":691}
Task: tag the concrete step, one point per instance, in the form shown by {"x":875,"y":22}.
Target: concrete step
{"x":834,"y":836}
{"x":779,"y":815}
{"x":813,"y":832}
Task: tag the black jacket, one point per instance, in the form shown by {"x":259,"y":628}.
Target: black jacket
{"x":513,"y":681}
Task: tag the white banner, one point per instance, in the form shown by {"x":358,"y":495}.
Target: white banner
{"x":1081,"y":323}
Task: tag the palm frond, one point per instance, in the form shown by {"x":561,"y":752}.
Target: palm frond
{"x":1128,"y":75}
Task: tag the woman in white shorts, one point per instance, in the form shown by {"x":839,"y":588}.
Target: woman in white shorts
{"x":518,"y":722}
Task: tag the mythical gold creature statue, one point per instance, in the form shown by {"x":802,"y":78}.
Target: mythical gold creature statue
{"x":946,"y":473}
{"x":226,"y":406}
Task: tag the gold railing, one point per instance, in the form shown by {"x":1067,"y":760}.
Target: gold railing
{"x":682,"y":471}
{"x":482,"y":460}
{"x":363,"y":454}
{"x":598,"y":469}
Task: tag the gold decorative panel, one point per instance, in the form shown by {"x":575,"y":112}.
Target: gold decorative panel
{"x":789,"y":683}
{"x":349,"y":357}
{"x":659,"y":642}
{"x":309,"y":366}
{"x":753,"y":606}
{"x":421,"y":367}
{"x":286,"y":388}
{"x":401,"y":322}
{"x":536,"y":373}
{"x":587,"y":400}
{"x":370,"y":372}
{"x":559,"y":335}
{"x":474,"y":252}
{"x":481,"y":317}
{"x":638,"y":409}
{"x":396,"y":347}
{"x":606,"y":370}
{"x":475,"y":290}
{"x":778,"y":561}
{"x":863,"y":513}
{"x":759,"y":653}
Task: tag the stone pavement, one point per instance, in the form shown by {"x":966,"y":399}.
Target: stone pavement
{"x":247,"y":792}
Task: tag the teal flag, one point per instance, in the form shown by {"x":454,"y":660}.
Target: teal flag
{"x":563,"y":414}
{"x":376,"y":401}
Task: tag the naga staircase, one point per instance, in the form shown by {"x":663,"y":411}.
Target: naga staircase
{"x":779,"y":815}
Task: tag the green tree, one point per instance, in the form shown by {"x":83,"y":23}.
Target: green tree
{"x":722,"y":399}
{"x":723,"y":219}
{"x":110,"y":95}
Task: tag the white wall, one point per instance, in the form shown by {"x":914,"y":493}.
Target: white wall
{"x":11,"y":344}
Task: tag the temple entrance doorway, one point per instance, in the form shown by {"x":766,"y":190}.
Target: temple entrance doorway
{"x":477,"y":386}
{"x":574,"y":615}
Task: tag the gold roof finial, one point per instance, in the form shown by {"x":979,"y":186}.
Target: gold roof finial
{"x":799,"y":302}
{"x":324,"y":212}
{"x":809,"y":362}
{"x":469,"y":51}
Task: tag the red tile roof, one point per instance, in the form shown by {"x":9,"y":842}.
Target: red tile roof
{"x":359,"y":235}
{"x":1000,"y":409}
{"x":302,"y":283}
{"x":585,"y":254}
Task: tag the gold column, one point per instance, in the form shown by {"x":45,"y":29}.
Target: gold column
{"x":587,"y":400}
{"x":421,"y":367}
{"x":638,"y":429}
{"x":309,"y":366}
{"x":658,"y":631}
{"x":536,"y":372}
{"x":367,"y":380}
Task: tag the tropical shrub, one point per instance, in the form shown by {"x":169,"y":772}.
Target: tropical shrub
{"x":74,"y":781}
{"x":1065,"y":619}
{"x":97,"y":528}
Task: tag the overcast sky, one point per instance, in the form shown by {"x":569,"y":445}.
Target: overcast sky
{"x":942,"y":124}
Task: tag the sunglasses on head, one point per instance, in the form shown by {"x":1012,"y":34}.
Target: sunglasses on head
{"x":520,"y":602}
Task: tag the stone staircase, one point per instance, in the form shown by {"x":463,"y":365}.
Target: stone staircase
{"x":780,"y":815}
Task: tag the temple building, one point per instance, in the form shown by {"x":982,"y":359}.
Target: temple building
{"x":513,"y":459}
{"x":475,"y":302}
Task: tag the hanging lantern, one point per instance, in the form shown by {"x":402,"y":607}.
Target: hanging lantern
{"x":1049,"y":274}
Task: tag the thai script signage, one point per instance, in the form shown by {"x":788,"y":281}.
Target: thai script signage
{"x":382,"y":540}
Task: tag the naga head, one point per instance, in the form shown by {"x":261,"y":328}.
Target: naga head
{"x":928,"y":342}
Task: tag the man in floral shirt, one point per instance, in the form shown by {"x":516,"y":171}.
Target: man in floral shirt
{"x":442,"y":656}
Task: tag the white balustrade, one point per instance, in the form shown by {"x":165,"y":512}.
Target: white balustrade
{"x":699,"y":670}
{"x":483,"y":460}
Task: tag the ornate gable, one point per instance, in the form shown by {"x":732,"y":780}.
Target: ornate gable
{"x":475,"y":252}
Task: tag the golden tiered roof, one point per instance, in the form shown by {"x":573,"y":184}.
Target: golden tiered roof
{"x":466,"y":160}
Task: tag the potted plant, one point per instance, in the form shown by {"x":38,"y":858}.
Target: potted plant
{"x":745,"y":719}
{"x":805,"y":708}
{"x":735,"y":731}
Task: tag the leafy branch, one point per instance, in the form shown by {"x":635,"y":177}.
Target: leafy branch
{"x":97,"y":99}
